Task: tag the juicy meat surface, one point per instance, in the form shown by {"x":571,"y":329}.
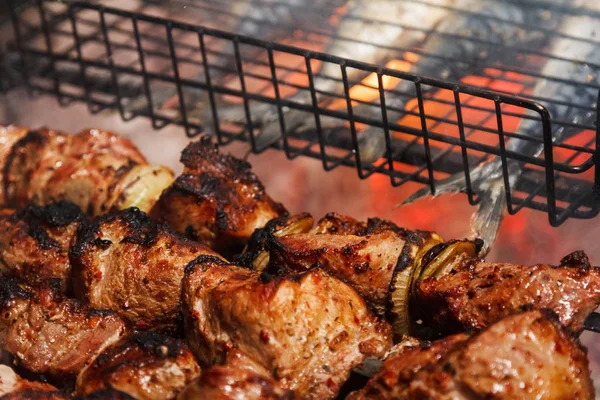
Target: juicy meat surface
{"x":308,"y":330}
{"x":145,"y":365}
{"x":13,"y":387}
{"x":123,"y":261}
{"x":524,"y":356}
{"x":337,"y":224}
{"x":365,"y":262}
{"x":85,"y":168}
{"x":35,"y":242}
{"x":9,"y":135}
{"x":479,"y":294}
{"x":230,"y":383}
{"x":216,"y":200}
{"x":398,"y":370}
{"x":50,"y":334}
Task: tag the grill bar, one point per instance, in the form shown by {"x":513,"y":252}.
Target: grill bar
{"x":135,"y":56}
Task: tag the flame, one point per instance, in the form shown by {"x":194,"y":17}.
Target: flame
{"x":479,"y":112}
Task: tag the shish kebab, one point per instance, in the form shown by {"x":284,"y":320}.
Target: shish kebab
{"x":218,"y":197}
{"x":216,"y":296}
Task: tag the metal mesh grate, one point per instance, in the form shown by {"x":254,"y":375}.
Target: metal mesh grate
{"x":151,"y":60}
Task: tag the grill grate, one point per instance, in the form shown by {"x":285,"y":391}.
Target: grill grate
{"x":141,"y":59}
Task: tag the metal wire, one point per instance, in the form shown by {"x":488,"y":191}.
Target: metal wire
{"x":197,"y":61}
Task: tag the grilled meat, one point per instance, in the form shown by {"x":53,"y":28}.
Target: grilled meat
{"x":337,"y":224}
{"x":96,"y":170}
{"x":230,"y":383}
{"x":407,"y":358}
{"x":9,"y":135}
{"x":480,"y":293}
{"x":35,"y":241}
{"x":217,"y":200}
{"x":146,"y":365}
{"x":125,"y":262}
{"x":255,"y":254}
{"x":232,"y":312}
{"x":365,"y":262}
{"x":364,"y":255}
{"x":105,"y":394}
{"x":50,"y":334}
{"x":524,"y":356}
{"x":13,"y":387}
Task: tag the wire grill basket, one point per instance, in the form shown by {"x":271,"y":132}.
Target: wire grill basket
{"x":113,"y":58}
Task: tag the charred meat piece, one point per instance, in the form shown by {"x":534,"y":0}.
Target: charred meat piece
{"x":394,"y":377}
{"x":366,"y":261}
{"x":35,"y":242}
{"x":230,"y":383}
{"x":145,"y":365}
{"x":337,"y":224}
{"x":524,"y":356}
{"x":96,"y":170}
{"x":9,"y":135}
{"x":480,"y":293}
{"x":217,"y":200}
{"x":50,"y":334}
{"x":105,"y":394}
{"x":255,"y":255}
{"x":13,"y":387}
{"x":123,"y":261}
{"x":308,"y":330}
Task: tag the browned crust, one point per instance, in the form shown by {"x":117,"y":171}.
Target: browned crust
{"x":224,"y":201}
{"x":145,"y":362}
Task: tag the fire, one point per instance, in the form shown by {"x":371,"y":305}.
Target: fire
{"x":438,"y":104}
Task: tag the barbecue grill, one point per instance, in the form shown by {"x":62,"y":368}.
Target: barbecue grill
{"x":112,"y":57}
{"x":85,"y":51}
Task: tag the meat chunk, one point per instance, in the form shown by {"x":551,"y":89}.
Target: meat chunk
{"x":50,"y":334}
{"x":146,"y":365}
{"x":13,"y":387}
{"x":255,"y":255}
{"x":393,"y":379}
{"x":9,"y":135}
{"x":524,"y":356}
{"x":35,"y":242}
{"x":363,"y":255}
{"x":97,"y":170}
{"x":105,"y":394}
{"x":308,"y":330}
{"x":481,"y":293}
{"x":123,"y":261}
{"x":230,"y":383}
{"x":217,"y":200}
{"x":337,"y":224}
{"x":365,"y":262}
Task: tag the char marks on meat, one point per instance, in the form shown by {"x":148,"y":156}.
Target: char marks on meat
{"x":86,"y":168}
{"x":125,"y":262}
{"x":217,"y":200}
{"x":231,"y":383}
{"x":234,"y":313}
{"x":50,"y":334}
{"x":481,"y":293}
{"x":13,"y":387}
{"x":145,"y":365}
{"x":363,"y":255}
{"x":524,"y":356}
{"x":35,"y":242}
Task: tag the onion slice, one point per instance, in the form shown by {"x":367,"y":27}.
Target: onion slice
{"x":446,"y":257}
{"x":408,"y":268}
{"x":255,"y":255}
{"x":140,"y":187}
